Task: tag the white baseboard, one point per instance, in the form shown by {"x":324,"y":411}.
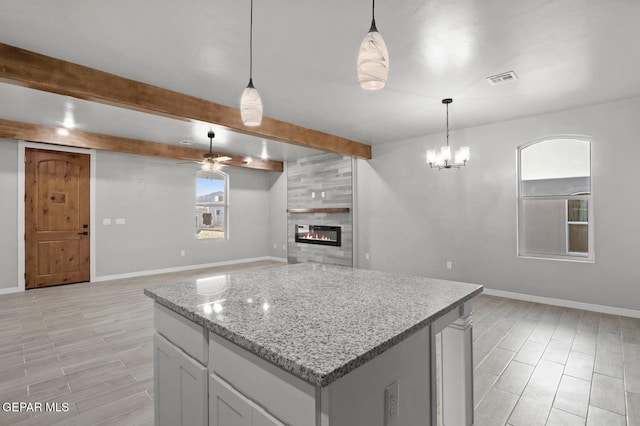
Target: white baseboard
{"x":183,"y":268}
{"x":564,"y":303}
{"x":9,"y":290}
{"x":278,"y":259}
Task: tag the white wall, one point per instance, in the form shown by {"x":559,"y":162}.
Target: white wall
{"x":156,"y":198}
{"x":8,"y":213}
{"x":413,"y":219}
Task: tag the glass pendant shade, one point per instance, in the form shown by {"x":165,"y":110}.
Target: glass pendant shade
{"x":445,"y":152}
{"x":251,"y":106}
{"x":462,"y":155}
{"x":373,"y":61}
{"x":432,"y":156}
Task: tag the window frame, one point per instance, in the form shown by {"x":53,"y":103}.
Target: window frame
{"x":224,"y":205}
{"x":579,"y":257}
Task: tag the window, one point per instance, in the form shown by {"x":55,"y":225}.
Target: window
{"x":212,"y":205}
{"x":555,"y":212}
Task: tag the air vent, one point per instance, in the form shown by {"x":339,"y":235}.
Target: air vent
{"x":505,"y":77}
{"x":185,"y":142}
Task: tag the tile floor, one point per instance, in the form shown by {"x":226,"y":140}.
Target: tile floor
{"x":90,"y":345}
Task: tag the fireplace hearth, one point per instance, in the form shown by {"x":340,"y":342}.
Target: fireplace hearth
{"x":318,"y":234}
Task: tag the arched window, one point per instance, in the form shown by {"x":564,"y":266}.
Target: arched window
{"x":555,"y":211}
{"x":212,"y":205}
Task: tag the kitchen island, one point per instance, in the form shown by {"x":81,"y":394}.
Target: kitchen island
{"x":311,"y":344}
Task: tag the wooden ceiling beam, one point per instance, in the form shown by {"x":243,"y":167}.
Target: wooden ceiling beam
{"x":80,"y":139}
{"x":36,"y":71}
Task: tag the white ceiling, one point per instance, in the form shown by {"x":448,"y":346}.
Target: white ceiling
{"x":566,"y":53}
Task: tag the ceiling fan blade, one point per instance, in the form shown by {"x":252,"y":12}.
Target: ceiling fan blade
{"x":222,"y":158}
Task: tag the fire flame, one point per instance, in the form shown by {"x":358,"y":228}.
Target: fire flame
{"x":317,"y":237}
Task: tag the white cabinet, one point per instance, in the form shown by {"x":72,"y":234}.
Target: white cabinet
{"x":180,"y":386}
{"x":228,"y":407}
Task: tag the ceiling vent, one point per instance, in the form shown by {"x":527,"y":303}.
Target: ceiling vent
{"x":505,"y":77}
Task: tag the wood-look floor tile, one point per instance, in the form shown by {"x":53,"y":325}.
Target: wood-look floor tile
{"x":585,"y":341}
{"x":631,"y":354}
{"x":608,"y":393}
{"x":609,"y":363}
{"x":139,"y":417}
{"x":610,"y":341}
{"x":532,"y":409}
{"x":482,"y":383}
{"x":495,"y":408}
{"x":557,"y":351}
{"x":530,"y":353}
{"x":515,"y":377}
{"x":632,"y":380}
{"x":542,"y":333}
{"x":579,"y":365}
{"x":633,"y":406}
{"x":547,"y":376}
{"x":112,"y":395}
{"x":600,"y":417}
{"x":496,"y":361}
{"x":562,"y":418}
{"x":573,"y":396}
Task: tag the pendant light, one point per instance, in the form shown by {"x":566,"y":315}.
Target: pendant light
{"x":250,"y":103}
{"x":373,"y":58}
{"x":442,"y":160}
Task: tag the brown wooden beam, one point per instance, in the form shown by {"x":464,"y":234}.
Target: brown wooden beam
{"x":80,"y":139}
{"x":30,"y":69}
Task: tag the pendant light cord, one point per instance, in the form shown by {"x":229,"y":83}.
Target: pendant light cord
{"x":251,"y":46}
{"x":373,"y":17}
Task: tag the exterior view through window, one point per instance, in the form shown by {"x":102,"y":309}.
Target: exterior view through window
{"x":211,"y":205}
{"x":555,"y":213}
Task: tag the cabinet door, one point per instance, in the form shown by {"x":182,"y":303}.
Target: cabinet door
{"x":180,"y":386}
{"x":227,"y":407}
{"x":262,"y":418}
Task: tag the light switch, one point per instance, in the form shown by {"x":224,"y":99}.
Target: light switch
{"x":120,"y":221}
{"x":106,"y":221}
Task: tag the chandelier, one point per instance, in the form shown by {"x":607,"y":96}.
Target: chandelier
{"x":442,"y":160}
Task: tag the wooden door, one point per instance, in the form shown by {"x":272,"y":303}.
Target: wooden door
{"x":56,"y":218}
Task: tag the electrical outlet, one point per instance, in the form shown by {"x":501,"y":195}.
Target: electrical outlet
{"x":182,"y":253}
{"x":449,"y":264}
{"x":366,"y":256}
{"x":391,"y":404}
{"x":274,"y":245}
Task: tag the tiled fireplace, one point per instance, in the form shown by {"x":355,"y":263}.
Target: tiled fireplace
{"x":319,"y":205}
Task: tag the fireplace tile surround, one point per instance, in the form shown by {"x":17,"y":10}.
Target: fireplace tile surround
{"x":324,"y":182}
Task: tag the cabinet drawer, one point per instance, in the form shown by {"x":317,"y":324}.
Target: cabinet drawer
{"x":187,"y":335}
{"x":280,"y":393}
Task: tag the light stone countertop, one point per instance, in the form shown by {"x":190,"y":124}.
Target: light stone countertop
{"x":318,"y":322}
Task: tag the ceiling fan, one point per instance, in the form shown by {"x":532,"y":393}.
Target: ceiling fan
{"x":212,"y":161}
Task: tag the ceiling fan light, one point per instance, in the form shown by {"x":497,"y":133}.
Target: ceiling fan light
{"x":251,"y":106}
{"x":373,"y":61}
